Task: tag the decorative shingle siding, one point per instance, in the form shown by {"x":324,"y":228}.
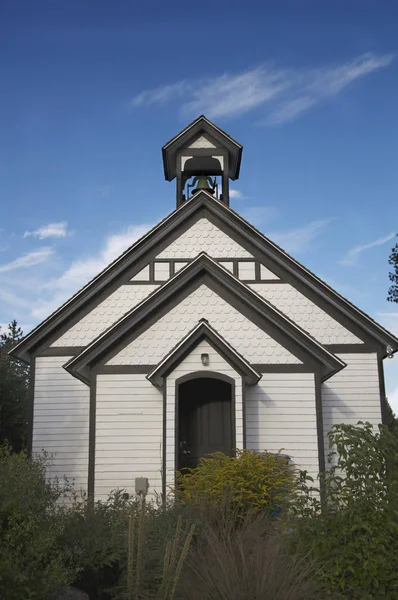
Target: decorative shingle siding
{"x":305,"y":313}
{"x":353,"y":394}
{"x":104,"y":315}
{"x":250,"y":341}
{"x":129,"y":434}
{"x":61,"y":420}
{"x":281,"y":416}
{"x":203,"y":236}
{"x":191,"y":364}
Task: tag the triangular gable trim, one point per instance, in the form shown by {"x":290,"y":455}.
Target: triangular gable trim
{"x":205,"y":270}
{"x":203,"y":331}
{"x":202,"y":204}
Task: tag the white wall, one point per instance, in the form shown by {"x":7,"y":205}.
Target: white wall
{"x":305,"y":313}
{"x":353,"y":394}
{"x":191,"y":364}
{"x":204,"y":236}
{"x":248,"y":339}
{"x":61,"y":419}
{"x":105,"y":314}
{"x":281,"y":414}
{"x":129,"y":434}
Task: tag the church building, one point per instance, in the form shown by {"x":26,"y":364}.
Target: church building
{"x":203,"y":336}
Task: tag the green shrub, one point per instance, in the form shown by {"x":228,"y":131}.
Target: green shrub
{"x":251,"y":481}
{"x":32,"y":562}
{"x":353,"y":533}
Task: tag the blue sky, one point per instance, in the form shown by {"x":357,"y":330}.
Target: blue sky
{"x":90,"y":91}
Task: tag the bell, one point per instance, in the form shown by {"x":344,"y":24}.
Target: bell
{"x":203,"y":184}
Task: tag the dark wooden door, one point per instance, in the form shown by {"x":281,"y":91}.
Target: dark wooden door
{"x":204,"y":420}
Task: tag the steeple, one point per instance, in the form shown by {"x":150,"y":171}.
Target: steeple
{"x":202,"y":157}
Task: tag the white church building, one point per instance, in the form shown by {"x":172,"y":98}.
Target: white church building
{"x":203,"y":336}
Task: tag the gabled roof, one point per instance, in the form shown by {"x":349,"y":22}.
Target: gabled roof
{"x":204,"y":270}
{"x":141,"y":252}
{"x":198,"y":126}
{"x":203,"y":331}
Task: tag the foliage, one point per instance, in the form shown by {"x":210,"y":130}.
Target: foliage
{"x":391,"y":420}
{"x":32,"y":561}
{"x":353,"y":530}
{"x":251,"y":480}
{"x":14,"y":388}
{"x":393,"y":275}
{"x":246,"y":563}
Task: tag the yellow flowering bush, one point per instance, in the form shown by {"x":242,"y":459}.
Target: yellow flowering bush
{"x":250,"y":481}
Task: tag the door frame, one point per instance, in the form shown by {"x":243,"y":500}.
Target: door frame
{"x":202,"y":375}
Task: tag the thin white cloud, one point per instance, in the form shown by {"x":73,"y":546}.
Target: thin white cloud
{"x":284,"y":94}
{"x":389,"y":320}
{"x":351,"y":258}
{"x":54,"y":230}
{"x":83,"y":270}
{"x":28,"y":260}
{"x":236,"y":194}
{"x":299,"y":240}
{"x":258,"y":215}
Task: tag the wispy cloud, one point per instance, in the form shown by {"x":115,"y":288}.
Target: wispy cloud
{"x":236,"y":194}
{"x":52,"y":230}
{"x":82,"y":270}
{"x":351,"y":258}
{"x":258,"y":215}
{"x":299,"y":240}
{"x":28,"y":260}
{"x":284,"y":94}
{"x":389,"y":320}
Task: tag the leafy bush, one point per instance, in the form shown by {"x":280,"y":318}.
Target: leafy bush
{"x":353,"y":532}
{"x":32,"y":562}
{"x":246,"y":563}
{"x":250,"y":480}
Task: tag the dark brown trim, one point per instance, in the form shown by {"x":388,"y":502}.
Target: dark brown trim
{"x":124,"y":369}
{"x":382,"y":388}
{"x":137,"y":282}
{"x":30,"y":407}
{"x":285,"y":267}
{"x":283,"y":368}
{"x":164,"y":498}
{"x":319,"y":422}
{"x":349,"y":348}
{"x":91,"y":436}
{"x":244,"y":412}
{"x":203,"y":270}
{"x":202,"y":375}
{"x":62,"y":351}
{"x":150,"y":245}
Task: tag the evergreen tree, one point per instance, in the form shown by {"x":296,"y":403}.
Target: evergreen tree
{"x":393,"y":260}
{"x":14,"y":391}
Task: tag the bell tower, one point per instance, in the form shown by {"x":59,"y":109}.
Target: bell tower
{"x":202,"y":157}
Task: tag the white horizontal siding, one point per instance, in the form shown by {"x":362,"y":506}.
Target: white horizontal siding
{"x":105,"y":314}
{"x":305,"y":313}
{"x":191,"y":364}
{"x":61,"y":420}
{"x":203,"y":236}
{"x":129,"y":434}
{"x":353,"y":394}
{"x":248,"y":339}
{"x":281,"y":415}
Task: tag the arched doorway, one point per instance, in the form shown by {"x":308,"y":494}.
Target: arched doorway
{"x":205,"y":419}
